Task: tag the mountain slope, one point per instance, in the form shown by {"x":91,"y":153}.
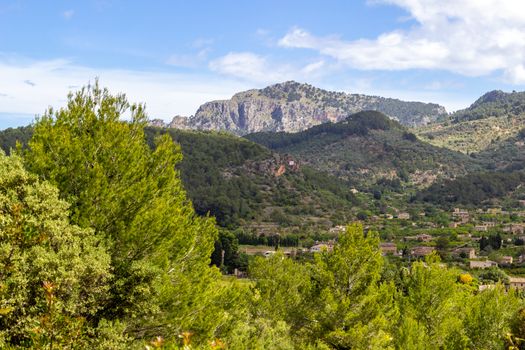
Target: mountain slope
{"x":370,"y":148}
{"x":507,"y":154}
{"x":494,"y":117}
{"x":293,"y":107}
{"x":241,"y":183}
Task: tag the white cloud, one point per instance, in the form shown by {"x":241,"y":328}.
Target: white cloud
{"x":165,"y":94}
{"x":472,"y":38}
{"x":259,"y":69}
{"x":68,"y":14}
{"x":314,"y":67}
{"x":251,"y":67}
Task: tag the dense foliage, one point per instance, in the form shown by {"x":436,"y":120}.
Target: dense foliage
{"x":133,"y":199}
{"x":55,"y":277}
{"x":11,"y":136}
{"x":472,"y":189}
{"x":235,"y":180}
{"x":494,"y":103}
{"x":357,"y":124}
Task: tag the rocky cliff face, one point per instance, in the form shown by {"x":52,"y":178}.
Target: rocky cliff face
{"x":293,"y":107}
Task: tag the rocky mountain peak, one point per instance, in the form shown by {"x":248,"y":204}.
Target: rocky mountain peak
{"x":291,"y":106}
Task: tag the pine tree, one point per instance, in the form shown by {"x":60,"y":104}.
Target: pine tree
{"x":132,"y":197}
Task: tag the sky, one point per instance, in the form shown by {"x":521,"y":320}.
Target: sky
{"x":174,"y":55}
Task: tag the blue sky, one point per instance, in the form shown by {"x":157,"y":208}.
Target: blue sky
{"x":176,"y":55}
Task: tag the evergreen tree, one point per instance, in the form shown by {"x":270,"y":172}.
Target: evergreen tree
{"x":133,"y":199}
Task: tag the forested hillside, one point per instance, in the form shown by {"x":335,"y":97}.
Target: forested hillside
{"x":369,"y":148}
{"x":492,"y":119}
{"x":239,"y":182}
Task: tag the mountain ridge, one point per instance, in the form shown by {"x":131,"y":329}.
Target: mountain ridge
{"x":293,"y":107}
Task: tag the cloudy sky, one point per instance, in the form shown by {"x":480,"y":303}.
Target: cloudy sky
{"x":175,"y":55}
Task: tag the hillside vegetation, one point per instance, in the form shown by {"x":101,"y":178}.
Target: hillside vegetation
{"x":493,"y":118}
{"x":240,"y":182}
{"x":368,"y":147}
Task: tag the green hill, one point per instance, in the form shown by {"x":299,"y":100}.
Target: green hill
{"x":476,"y":190}
{"x":493,"y":104}
{"x":370,"y":148}
{"x":242,"y":183}
{"x":493,"y":118}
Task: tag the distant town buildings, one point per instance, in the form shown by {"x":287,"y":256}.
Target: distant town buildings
{"x":319,"y":247}
{"x":403,"y":216}
{"x":465,"y":252}
{"x":461,"y":215}
{"x":515,"y":229}
{"x":388,"y":249}
{"x":419,"y":252}
{"x":479,"y":264}
{"x":506,"y":260}
{"x":517,"y":282}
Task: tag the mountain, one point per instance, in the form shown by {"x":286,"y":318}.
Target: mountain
{"x":471,"y":136}
{"x":293,"y":107}
{"x":494,"y":117}
{"x":494,"y":103}
{"x":371,"y":149}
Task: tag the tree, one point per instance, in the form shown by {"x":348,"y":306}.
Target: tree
{"x":432,"y":301}
{"x":133,"y":199}
{"x":351,"y":308}
{"x":226,"y":252}
{"x":54,"y":276}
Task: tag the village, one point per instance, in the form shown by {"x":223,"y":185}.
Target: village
{"x":480,"y":241}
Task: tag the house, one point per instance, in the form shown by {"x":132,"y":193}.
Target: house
{"x":506,"y":260}
{"x":515,"y":229}
{"x":479,"y":264}
{"x":453,"y":225}
{"x":424,"y":237}
{"x":521,"y":202}
{"x":403,"y":216}
{"x":388,"y":248}
{"x":517,"y":282}
{"x":464,"y":252}
{"x":337,"y":229}
{"x":481,"y":228}
{"x":419,"y":252}
{"x":461,"y":214}
{"x":321,"y":247}
{"x":494,"y":211}
{"x":483,"y":287}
